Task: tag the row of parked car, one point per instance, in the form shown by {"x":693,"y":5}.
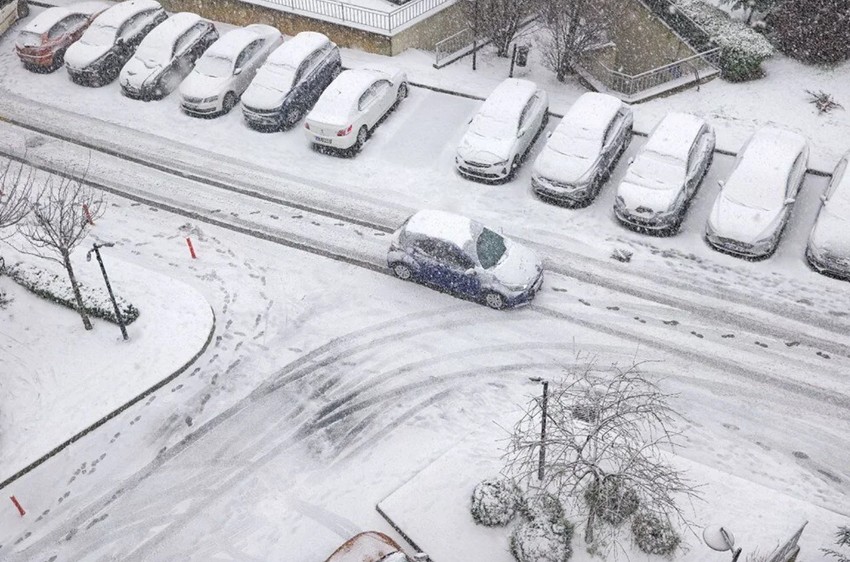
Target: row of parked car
{"x":152,"y":55}
{"x":748,"y":215}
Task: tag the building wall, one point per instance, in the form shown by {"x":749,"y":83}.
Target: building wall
{"x":428,"y":32}
{"x":644,"y":42}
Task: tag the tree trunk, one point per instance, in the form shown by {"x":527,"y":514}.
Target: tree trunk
{"x":563,"y":69}
{"x":588,"y":529}
{"x":750,"y":16}
{"x":66,"y":257}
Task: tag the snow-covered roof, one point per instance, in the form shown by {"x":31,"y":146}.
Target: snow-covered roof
{"x":47,"y":19}
{"x":765,"y":164}
{"x":674,"y":135}
{"x":119,"y":13}
{"x":296,"y":49}
{"x":166,"y":32}
{"x":342,"y":95}
{"x":231,"y":43}
{"x":507,"y":101}
{"x":589,"y":116}
{"x":442,"y":225}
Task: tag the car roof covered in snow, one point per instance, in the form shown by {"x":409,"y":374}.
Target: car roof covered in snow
{"x":51,"y":16}
{"x":231,"y":43}
{"x":168,"y":31}
{"x":674,"y":135}
{"x":589,"y":116}
{"x":507,"y":101}
{"x":338,"y":99}
{"x":297,"y":49}
{"x":119,"y":13}
{"x":766,"y":162}
{"x":450,"y":227}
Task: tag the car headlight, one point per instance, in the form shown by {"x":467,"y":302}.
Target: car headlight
{"x":499,"y":164}
{"x":619,"y":202}
{"x":209,"y":99}
{"x":517,"y":288}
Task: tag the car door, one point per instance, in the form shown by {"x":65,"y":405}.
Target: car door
{"x":187,"y":46}
{"x":246,"y":66}
{"x":459,"y":271}
{"x":614,"y":136}
{"x":793,"y":185}
{"x":837,"y":175}
{"x":385,"y":96}
{"x":366,"y":106}
{"x":524,"y":126}
{"x":429,"y":269}
{"x":694,"y":166}
{"x":68,"y":30}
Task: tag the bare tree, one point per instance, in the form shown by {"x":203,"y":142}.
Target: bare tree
{"x":605,"y":437}
{"x":500,"y":20}
{"x":59,"y":221}
{"x":16,"y":182}
{"x":570,"y":27}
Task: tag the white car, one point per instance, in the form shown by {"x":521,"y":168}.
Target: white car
{"x":582,"y":150}
{"x":828,"y":250}
{"x":350,"y":108}
{"x":11,"y":11}
{"x":753,"y":206}
{"x":502,"y":131}
{"x":226,"y":69}
{"x":664,"y":176}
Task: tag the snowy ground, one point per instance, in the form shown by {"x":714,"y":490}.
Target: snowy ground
{"x":328,"y":386}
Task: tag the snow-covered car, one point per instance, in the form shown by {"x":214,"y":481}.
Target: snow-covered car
{"x":754,"y":204}
{"x":460,"y":256}
{"x":503,"y":130}
{"x":166,"y":56}
{"x":11,"y":11}
{"x":42,"y":43}
{"x":828,"y":250}
{"x":664,"y":176}
{"x":290,"y":81}
{"x":110,"y":41}
{"x":352,"y":106}
{"x":370,"y":546}
{"x":582,"y":150}
{"x":226,"y":69}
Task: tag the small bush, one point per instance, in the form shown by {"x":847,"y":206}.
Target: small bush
{"x":742,"y":49}
{"x":654,"y":535}
{"x":495,"y":502}
{"x":57,"y":289}
{"x":611,"y":500}
{"x":814,"y":31}
{"x":546,"y":535}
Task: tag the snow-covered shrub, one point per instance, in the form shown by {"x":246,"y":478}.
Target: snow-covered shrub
{"x":654,"y":535}
{"x":495,"y":502}
{"x":611,"y":500}
{"x":742,"y":49}
{"x":546,"y":535}
{"x":57,"y":289}
{"x":815,"y":31}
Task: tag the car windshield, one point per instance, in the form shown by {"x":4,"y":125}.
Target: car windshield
{"x":214,"y":66}
{"x":99,"y":35}
{"x":154,"y":55}
{"x":278,"y":76}
{"x":755,"y":198}
{"x":29,"y":39}
{"x":490,"y":247}
{"x":488,"y":126}
{"x":658,"y":171}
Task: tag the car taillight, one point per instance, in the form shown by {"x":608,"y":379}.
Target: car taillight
{"x":307,"y":126}
{"x":343,"y":132}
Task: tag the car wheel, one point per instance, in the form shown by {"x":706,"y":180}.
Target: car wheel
{"x":402,"y":92}
{"x":293,"y":116}
{"x":362,"y":136}
{"x":58,"y":59}
{"x":23,"y":9}
{"x":495,"y":301}
{"x":228,"y":103}
{"x":402,"y":271}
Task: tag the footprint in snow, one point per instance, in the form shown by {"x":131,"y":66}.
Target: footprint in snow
{"x":559,"y":290}
{"x":584,"y":302}
{"x":613,"y":307}
{"x":822,"y":354}
{"x":697,"y":334}
{"x":760,"y":344}
{"x":639,"y":319}
{"x":728,"y":336}
{"x":800,"y":455}
{"x":671,"y":322}
{"x":792,"y":343}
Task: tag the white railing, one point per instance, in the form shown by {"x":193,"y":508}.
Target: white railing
{"x":386,"y":22}
{"x":452,"y":44}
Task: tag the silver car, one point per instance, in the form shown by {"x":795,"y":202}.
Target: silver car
{"x":828,"y":250}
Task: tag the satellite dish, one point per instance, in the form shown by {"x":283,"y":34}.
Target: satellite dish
{"x":718,"y":538}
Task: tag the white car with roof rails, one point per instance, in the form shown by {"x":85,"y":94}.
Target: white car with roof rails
{"x":754,"y":204}
{"x":828,"y":250}
{"x":226,"y":69}
{"x":502,"y":131}
{"x":582,"y":150}
{"x":111,"y":39}
{"x":664,"y":176}
{"x":11,"y":11}
{"x":351,"y":107}
{"x":290,"y":81}
{"x":166,"y":56}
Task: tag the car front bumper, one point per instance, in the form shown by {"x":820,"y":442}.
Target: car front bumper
{"x":827,"y":266}
{"x":559,"y":192}
{"x":738,"y":248}
{"x":200,"y":108}
{"x":525,"y":297}
{"x":482,"y":171}
{"x":641,"y":222}
{"x":262,"y":119}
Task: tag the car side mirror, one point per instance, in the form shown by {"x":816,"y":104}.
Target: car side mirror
{"x":549,"y":134}
{"x":790,"y":201}
{"x":720,"y":183}
{"x":237,"y":72}
{"x":631,"y":160}
{"x":823,"y":197}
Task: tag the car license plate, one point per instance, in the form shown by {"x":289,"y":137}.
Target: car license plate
{"x":322,"y":140}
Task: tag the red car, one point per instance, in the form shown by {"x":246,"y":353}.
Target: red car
{"x":41,"y":44}
{"x":371,"y":546}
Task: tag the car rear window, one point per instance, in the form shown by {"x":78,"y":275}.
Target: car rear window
{"x":29,"y":39}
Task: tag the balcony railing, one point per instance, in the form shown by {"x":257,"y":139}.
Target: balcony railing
{"x":358,"y":16}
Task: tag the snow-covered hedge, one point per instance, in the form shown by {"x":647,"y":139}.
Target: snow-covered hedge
{"x":654,"y":535}
{"x":57,"y":289}
{"x":546,"y":535}
{"x":495,"y":502}
{"x":612,"y":500}
{"x":742,"y":49}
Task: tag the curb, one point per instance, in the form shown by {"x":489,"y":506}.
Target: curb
{"x":115,"y":412}
{"x":398,"y":529}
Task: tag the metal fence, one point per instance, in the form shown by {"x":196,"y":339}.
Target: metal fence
{"x":452,"y":44}
{"x":378,"y":20}
{"x":695,"y":66}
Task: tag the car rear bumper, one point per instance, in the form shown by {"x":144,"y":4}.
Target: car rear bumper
{"x":45,"y":60}
{"x":342,"y":143}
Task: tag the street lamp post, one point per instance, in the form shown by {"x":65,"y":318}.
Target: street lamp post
{"x":719,"y":539}
{"x":96,"y":249}
{"x":543,"y":406}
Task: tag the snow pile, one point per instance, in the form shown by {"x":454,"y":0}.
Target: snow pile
{"x":495,"y":502}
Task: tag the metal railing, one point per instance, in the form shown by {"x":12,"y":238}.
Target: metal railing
{"x":378,"y":20}
{"x":452,"y":44}
{"x":697,"y":65}
{"x":689,"y":30}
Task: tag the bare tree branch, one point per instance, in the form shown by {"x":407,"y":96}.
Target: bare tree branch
{"x":16,"y":181}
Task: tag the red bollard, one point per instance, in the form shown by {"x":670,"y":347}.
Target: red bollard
{"x":18,"y":505}
{"x":191,"y":248}
{"x":88,"y":214}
